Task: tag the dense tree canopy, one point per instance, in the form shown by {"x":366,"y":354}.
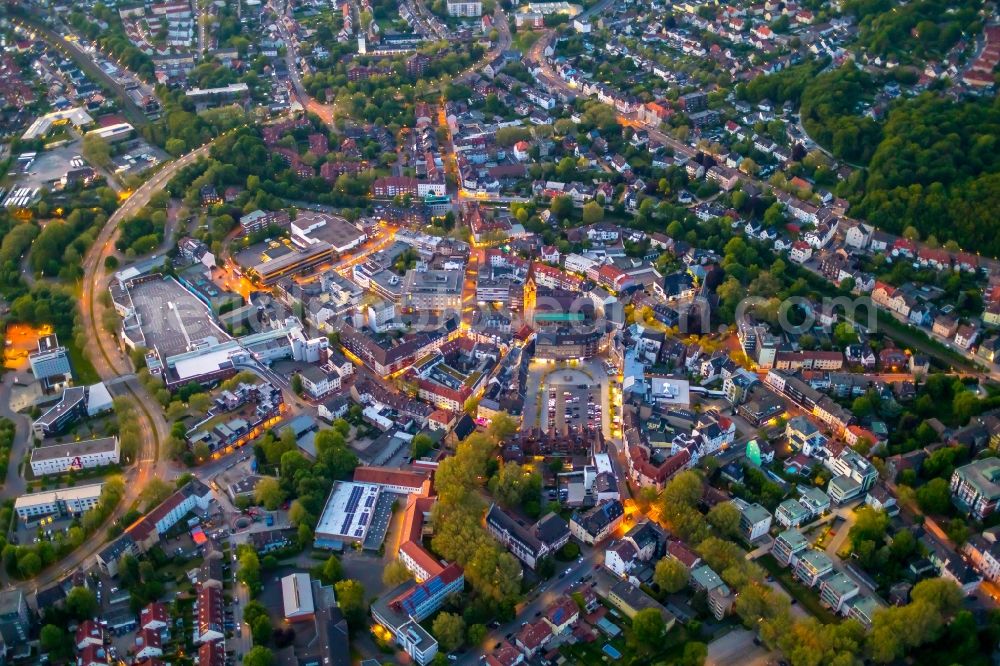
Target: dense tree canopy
{"x":936,"y":169}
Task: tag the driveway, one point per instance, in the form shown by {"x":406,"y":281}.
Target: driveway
{"x":737,"y":647}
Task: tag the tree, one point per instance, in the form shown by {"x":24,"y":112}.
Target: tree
{"x":513,"y":485}
{"x":258,"y":656}
{"x":695,"y":654}
{"x":269,"y":493}
{"x":81,"y":603}
{"x":261,"y":630}
{"x":870,"y":525}
{"x":593,"y":212}
{"x":844,"y":334}
{"x":648,"y":628}
{"x":449,"y":629}
{"x":941,"y":593}
{"x":421,"y":445}
{"x":934,"y":497}
{"x":249,"y":570}
{"x":200,"y":402}
{"x":477,"y":634}
{"x":351,"y":599}
{"x":332,"y":570}
{"x":395,"y":573}
{"x":561,"y":206}
{"x":176,"y":147}
{"x":671,"y":575}
{"x":97,"y":150}
{"x":53,"y":639}
{"x":155,"y":491}
{"x":501,"y":427}
{"x":725,"y":517}
{"x":297,"y":384}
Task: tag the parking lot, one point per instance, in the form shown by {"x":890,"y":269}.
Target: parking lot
{"x":571,"y":394}
{"x":572,"y":400}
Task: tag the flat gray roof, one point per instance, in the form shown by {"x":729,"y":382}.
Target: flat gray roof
{"x":86,"y":447}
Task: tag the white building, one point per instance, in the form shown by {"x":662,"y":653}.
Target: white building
{"x":755,"y":520}
{"x":68,"y":501}
{"x":59,"y":458}
{"x":297,"y":597}
{"x":465,"y":8}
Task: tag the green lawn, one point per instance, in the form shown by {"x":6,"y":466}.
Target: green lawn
{"x":805,"y":596}
{"x":83,"y":369}
{"x":525,"y":39}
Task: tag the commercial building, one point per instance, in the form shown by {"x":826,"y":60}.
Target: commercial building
{"x":313,"y":228}
{"x":275,"y":265}
{"x":434,"y":290}
{"x":975,"y":488}
{"x":412,"y":553}
{"x":399,"y":481}
{"x":347,"y":514}
{"x":66,"y":502}
{"x":113,"y":133}
{"x":578,"y":342}
{"x":77,"y":117}
{"x":71,"y":406}
{"x":59,"y":458}
{"x":208,"y":97}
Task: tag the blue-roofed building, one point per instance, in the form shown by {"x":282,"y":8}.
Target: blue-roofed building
{"x":50,"y":364}
{"x":401,"y":610}
{"x":561,"y":615}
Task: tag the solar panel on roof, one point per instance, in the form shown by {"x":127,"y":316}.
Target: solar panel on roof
{"x":364,"y":518}
{"x":347,"y":523}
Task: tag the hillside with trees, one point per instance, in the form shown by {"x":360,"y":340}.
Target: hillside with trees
{"x":829,"y":112}
{"x":937,"y":169}
{"x":913,"y":31}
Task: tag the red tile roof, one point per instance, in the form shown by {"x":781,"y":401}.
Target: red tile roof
{"x":534,"y":635}
{"x":391,"y":477}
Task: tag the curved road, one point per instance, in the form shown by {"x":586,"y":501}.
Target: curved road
{"x":111,"y":364}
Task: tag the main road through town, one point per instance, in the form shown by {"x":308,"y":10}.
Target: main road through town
{"x":111,"y":364}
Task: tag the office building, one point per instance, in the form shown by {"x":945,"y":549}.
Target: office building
{"x":60,"y":458}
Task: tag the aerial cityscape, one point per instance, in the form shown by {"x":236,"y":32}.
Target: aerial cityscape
{"x":613,"y":332}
